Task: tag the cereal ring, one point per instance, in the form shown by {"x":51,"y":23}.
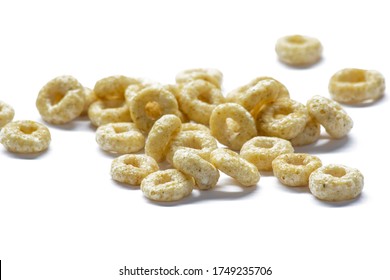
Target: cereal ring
{"x":25,"y":137}
{"x":195,"y":126}
{"x":113,"y":87}
{"x":294,"y":169}
{"x":163,"y":130}
{"x":132,"y":169}
{"x":205,"y":174}
{"x":90,"y":97}
{"x":210,"y":75}
{"x":330,"y":115}
{"x":123,"y":138}
{"x":235,"y":166}
{"x":61,"y":100}
{"x":284,"y":118}
{"x":353,"y":85}
{"x":310,"y":134}
{"x":198,"y":99}
{"x":7,"y":113}
{"x":298,"y":50}
{"x":108,"y":111}
{"x":336,"y":182}
{"x":167,"y":185}
{"x":262,"y":150}
{"x":232,"y":125}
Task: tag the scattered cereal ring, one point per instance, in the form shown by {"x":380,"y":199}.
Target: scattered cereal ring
{"x":262,"y":150}
{"x":195,"y":126}
{"x":25,"y":137}
{"x":61,"y":100}
{"x":235,"y":166}
{"x":335,"y":182}
{"x":294,"y":169}
{"x":330,"y":115}
{"x":132,"y":169}
{"x":167,"y":185}
{"x":232,"y":125}
{"x":353,"y":85}
{"x":108,"y":111}
{"x":205,"y":174}
{"x":6,"y":114}
{"x":123,"y":138}
{"x":113,"y":87}
{"x":210,"y":75}
{"x":298,"y":50}
{"x":310,"y":134}
{"x":90,"y":97}
{"x":163,"y":130}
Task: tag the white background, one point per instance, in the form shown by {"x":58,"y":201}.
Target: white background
{"x":61,"y":215}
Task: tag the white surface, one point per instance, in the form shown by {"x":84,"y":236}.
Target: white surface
{"x":62,"y":217}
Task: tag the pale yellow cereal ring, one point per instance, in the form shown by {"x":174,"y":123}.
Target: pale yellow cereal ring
{"x":232,"y":125}
{"x":7,"y":113}
{"x":162,"y":132}
{"x":195,"y":126}
{"x":335,"y":182}
{"x":310,"y":134}
{"x":285,"y":118}
{"x":235,"y":166}
{"x":352,"y":86}
{"x":262,"y":150}
{"x":210,"y":75}
{"x":205,"y":174}
{"x":108,"y":111}
{"x":90,"y":97}
{"x":25,"y":137}
{"x":294,"y":169}
{"x":330,"y":115}
{"x":123,"y":138}
{"x":298,"y":50}
{"x":132,"y":169}
{"x":167,"y":185}
{"x":113,"y":87}
{"x":61,"y":100}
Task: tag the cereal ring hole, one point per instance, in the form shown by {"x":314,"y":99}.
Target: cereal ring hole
{"x":282,"y":113}
{"x":56,"y":98}
{"x":264,"y":144}
{"x":205,"y":97}
{"x":133,"y":162}
{"x":296,"y":161}
{"x":353,"y":76}
{"x":164,"y":178}
{"x":336,"y":171}
{"x":296,"y":39}
{"x":120,"y":129}
{"x":153,"y":110}
{"x":28,"y":128}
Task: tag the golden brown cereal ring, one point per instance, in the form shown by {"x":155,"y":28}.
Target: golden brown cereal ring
{"x":210,"y":75}
{"x":262,"y":150}
{"x":61,"y":100}
{"x":132,"y":169}
{"x":108,"y":111}
{"x":284,"y":118}
{"x":113,"y":87}
{"x":352,"y":86}
{"x":298,"y":50}
{"x":25,"y":137}
{"x":162,"y":132}
{"x":6,"y":114}
{"x":195,"y":126}
{"x":205,"y":174}
{"x":123,"y":138}
{"x":232,"y":125}
{"x":198,"y":99}
{"x":330,"y":115}
{"x":235,"y":166}
{"x":167,"y":185}
{"x":90,"y":97}
{"x":336,"y":182}
{"x":294,"y":169}
{"x":310,"y":134}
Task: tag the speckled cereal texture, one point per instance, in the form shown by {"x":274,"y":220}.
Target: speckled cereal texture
{"x":353,"y":86}
{"x":310,"y":134}
{"x":113,"y":87}
{"x":167,"y":185}
{"x":294,"y":169}
{"x":210,"y":75}
{"x":108,"y":111}
{"x":132,"y":169}
{"x":235,"y":166}
{"x":330,"y":115}
{"x":205,"y":174}
{"x":25,"y":137}
{"x":336,"y":182}
{"x":90,"y":97}
{"x":61,"y":100}
{"x":6,"y":113}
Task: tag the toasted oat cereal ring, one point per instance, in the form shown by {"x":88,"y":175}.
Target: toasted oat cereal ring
{"x":108,"y":111}
{"x":90,"y":97}
{"x":294,"y":169}
{"x":262,"y":150}
{"x":199,"y":142}
{"x":7,"y":113}
{"x":298,"y":50}
{"x":198,"y":99}
{"x":352,"y":86}
{"x":285,"y":118}
{"x":232,"y":125}
{"x":335,"y":182}
{"x":330,"y":115}
{"x":195,"y":126}
{"x":167,"y":185}
{"x":210,"y":75}
{"x":235,"y":166}
{"x":113,"y":87}
{"x":310,"y":134}
{"x":132,"y":169}
{"x":162,"y":132}
{"x":123,"y":138}
{"x":61,"y":100}
{"x":25,"y":137}
{"x":205,"y":174}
